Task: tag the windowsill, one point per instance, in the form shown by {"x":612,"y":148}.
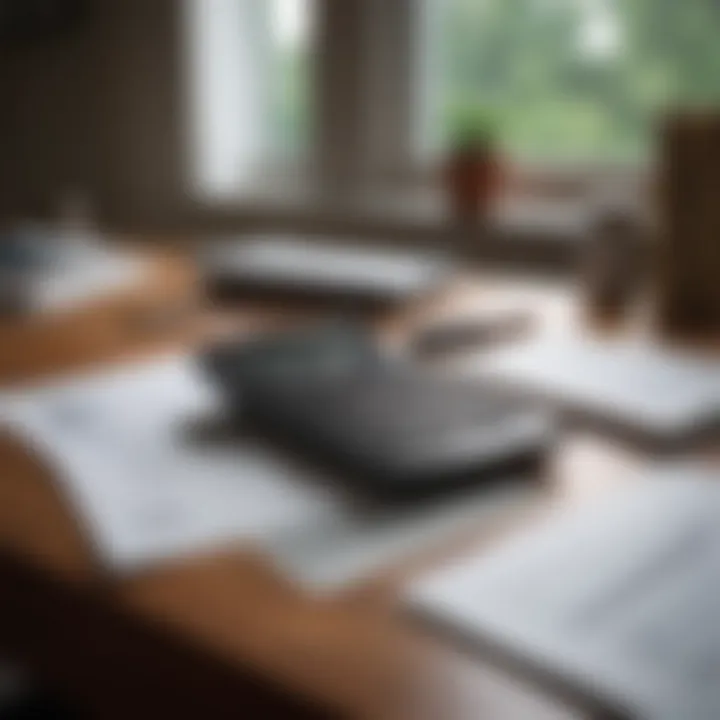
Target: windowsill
{"x":526,"y":230}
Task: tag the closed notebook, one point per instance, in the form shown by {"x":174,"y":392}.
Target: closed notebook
{"x":310,"y":269}
{"x":395,"y":433}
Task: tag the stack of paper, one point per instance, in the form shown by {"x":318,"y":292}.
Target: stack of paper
{"x":667,"y":395}
{"x":132,"y":450}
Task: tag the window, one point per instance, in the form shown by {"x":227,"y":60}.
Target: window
{"x":570,"y":80}
{"x":249,"y":86}
{"x":292,"y":37}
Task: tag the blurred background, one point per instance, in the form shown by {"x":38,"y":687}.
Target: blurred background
{"x":187,"y":115}
{"x":180,"y":173}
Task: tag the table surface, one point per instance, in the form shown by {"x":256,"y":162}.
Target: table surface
{"x":354,"y":655}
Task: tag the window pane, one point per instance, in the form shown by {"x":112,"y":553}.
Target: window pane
{"x":249,"y":89}
{"x":575,"y":79}
{"x":292,"y":32}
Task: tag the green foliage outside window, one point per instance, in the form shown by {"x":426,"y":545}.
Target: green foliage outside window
{"x":290,"y":109}
{"x":579,"y":79}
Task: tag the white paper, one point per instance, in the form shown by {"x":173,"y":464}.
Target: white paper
{"x":123,"y":447}
{"x":128,"y":449}
{"x":619,"y":599}
{"x":642,"y":385}
{"x":85,"y":275}
{"x":287,"y":257}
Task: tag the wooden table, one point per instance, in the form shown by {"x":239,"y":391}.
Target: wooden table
{"x":221,"y":635}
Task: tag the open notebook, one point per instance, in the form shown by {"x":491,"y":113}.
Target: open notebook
{"x":617,"y":603}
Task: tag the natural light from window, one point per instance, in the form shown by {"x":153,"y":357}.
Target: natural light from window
{"x":292,"y":39}
{"x":249,"y":77}
{"x":573,"y":80}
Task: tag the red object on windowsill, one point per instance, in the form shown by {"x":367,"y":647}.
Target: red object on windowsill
{"x":473,"y":180}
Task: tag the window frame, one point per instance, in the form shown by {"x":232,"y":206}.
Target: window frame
{"x":372,"y":102}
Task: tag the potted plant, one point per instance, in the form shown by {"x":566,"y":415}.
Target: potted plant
{"x":472,"y":169}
